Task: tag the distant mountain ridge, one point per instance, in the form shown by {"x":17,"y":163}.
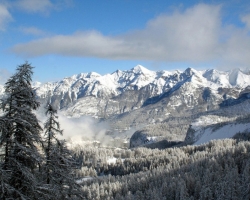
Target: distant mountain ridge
{"x":106,"y":91}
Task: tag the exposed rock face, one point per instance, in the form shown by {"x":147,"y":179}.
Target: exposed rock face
{"x":191,"y":137}
{"x":139,"y":138}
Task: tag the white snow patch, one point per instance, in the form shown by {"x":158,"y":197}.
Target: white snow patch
{"x":111,"y":160}
{"x":79,"y":181}
{"x":204,"y":121}
{"x":227,"y":131}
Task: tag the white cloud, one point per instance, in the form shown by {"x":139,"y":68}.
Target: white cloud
{"x":41,"y":6}
{"x":78,"y":130}
{"x":32,"y":31}
{"x":195,"y":35}
{"x":5,"y":17}
{"x":34,"y":5}
{"x":83,"y":129}
{"x":234,"y":53}
{"x":179,"y":36}
{"x":79,"y":44}
{"x":246,"y":20}
{"x":190,"y":35}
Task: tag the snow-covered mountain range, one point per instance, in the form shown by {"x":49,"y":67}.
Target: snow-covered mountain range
{"x":138,"y":98}
{"x":124,"y":91}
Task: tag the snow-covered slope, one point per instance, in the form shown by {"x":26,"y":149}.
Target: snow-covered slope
{"x":227,"y":131}
{"x":212,"y":127}
{"x":232,"y":78}
{"x":93,"y":84}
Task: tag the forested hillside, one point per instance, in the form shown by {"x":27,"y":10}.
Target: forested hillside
{"x":217,"y":170}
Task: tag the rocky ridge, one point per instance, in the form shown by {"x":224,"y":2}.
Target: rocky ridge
{"x":125,"y":91}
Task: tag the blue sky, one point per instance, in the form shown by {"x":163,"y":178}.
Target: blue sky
{"x":65,"y":37}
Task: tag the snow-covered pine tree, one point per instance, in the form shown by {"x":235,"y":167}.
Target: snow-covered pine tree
{"x":60,"y":165}
{"x":5,"y":187}
{"x":20,"y":135}
{"x":52,"y":128}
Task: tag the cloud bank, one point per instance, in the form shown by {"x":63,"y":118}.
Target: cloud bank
{"x":78,"y":131}
{"x":193,"y":35}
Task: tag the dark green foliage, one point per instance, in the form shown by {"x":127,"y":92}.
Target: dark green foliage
{"x":58,"y":170}
{"x":24,"y":172}
{"x":242,"y":136}
{"x":20,"y":136}
{"x":51,"y":143}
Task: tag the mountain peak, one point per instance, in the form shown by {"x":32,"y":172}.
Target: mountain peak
{"x":190,"y":71}
{"x":93,"y":75}
{"x":139,"y":69}
{"x":238,"y":78}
